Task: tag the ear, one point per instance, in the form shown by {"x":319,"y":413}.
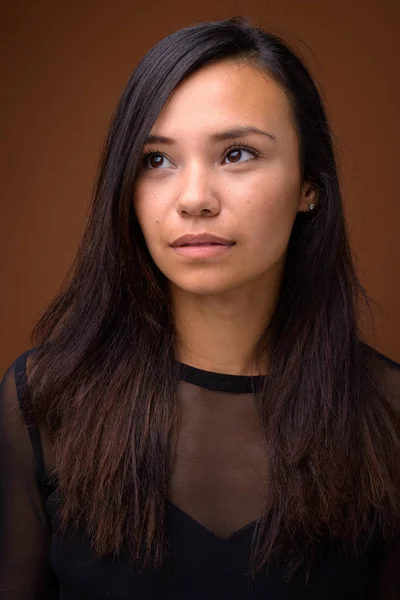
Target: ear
{"x":309,"y":195}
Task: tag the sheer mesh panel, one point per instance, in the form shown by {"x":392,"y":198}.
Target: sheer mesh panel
{"x":25,"y":571}
{"x":219,"y":473}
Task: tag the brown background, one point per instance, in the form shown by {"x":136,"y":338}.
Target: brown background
{"x":65,"y":66}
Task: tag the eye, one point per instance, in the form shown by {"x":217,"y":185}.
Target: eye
{"x":153,"y":160}
{"x":236,"y":153}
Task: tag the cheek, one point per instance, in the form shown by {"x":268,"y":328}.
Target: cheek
{"x":269,"y":202}
{"x":268,"y":216}
{"x":149,"y":215}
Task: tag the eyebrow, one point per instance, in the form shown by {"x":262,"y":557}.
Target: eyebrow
{"x":218,"y":136}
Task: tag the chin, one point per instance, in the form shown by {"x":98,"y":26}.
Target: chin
{"x":204,"y":288}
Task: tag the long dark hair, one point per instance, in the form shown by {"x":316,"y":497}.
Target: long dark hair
{"x":104,"y":378}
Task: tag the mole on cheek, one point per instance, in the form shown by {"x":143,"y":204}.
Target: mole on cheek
{"x":157,"y":221}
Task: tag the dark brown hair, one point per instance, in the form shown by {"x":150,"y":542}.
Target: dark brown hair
{"x":104,"y":377}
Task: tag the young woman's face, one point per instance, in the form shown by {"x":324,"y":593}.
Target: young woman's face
{"x":198,"y":181}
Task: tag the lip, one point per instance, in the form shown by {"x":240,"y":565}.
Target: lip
{"x":200,"y":239}
{"x":202,"y":252}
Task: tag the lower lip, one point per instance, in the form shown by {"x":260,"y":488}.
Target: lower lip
{"x":202,"y":251}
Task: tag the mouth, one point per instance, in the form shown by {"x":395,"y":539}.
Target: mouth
{"x":200,"y":240}
{"x":202,"y":250}
{"x":199,"y":244}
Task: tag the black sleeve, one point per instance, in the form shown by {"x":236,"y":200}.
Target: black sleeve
{"x":388,"y":575}
{"x":25,"y":570}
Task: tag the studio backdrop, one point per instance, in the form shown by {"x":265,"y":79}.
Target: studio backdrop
{"x":64,"y":68}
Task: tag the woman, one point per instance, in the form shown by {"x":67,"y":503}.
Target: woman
{"x":201,"y":418}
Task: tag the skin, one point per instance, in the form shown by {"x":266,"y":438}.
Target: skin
{"x":222,"y":303}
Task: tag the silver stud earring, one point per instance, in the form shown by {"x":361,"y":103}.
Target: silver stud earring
{"x":311,"y":206}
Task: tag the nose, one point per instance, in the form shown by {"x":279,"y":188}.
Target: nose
{"x":196,"y":197}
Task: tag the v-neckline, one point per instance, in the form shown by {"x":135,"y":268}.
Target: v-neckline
{"x":202,"y":528}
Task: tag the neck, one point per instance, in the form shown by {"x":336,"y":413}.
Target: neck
{"x":219,"y":332}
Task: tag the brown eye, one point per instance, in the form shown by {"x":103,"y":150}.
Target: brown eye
{"x":155,"y":160}
{"x":234,"y":155}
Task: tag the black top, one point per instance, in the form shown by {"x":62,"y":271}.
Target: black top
{"x":215,"y":497}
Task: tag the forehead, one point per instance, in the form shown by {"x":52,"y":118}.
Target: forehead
{"x":223,"y":94}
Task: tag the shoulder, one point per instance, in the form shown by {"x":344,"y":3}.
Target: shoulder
{"x":14,"y":388}
{"x":387,"y":371}
{"x":385,"y":360}
{"x":19,"y":363}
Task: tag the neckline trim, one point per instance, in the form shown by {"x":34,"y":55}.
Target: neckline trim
{"x":221,"y":382}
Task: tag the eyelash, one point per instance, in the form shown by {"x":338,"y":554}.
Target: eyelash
{"x":238,"y":146}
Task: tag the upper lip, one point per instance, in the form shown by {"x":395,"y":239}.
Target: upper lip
{"x":201,"y":238}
